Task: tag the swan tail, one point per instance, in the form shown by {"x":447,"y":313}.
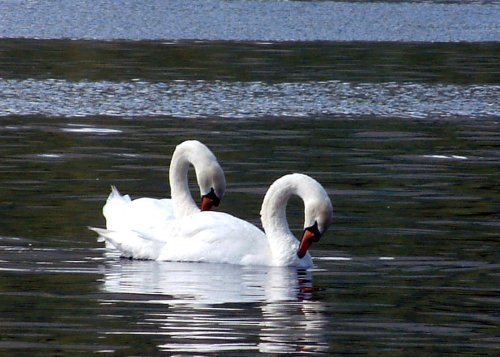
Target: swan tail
{"x":116,"y":195}
{"x":115,"y":209}
{"x":101,"y":233}
{"x":130,"y":244}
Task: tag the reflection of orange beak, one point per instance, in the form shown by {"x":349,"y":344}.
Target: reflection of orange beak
{"x":206,"y":203}
{"x":305,"y":243}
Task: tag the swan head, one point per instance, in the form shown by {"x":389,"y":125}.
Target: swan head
{"x":212,"y":185}
{"x":318,"y":217}
{"x":318,"y":211}
{"x":209,"y":176}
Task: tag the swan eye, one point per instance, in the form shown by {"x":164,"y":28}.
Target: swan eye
{"x":315,"y":231}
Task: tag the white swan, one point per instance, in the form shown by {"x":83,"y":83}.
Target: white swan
{"x":221,"y":238}
{"x":124,"y":214}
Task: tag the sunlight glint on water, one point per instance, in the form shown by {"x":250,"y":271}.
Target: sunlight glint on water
{"x":187,"y":99}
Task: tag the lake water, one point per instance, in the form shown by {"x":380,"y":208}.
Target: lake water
{"x":403,"y":136}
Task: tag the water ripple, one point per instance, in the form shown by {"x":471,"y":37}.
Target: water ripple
{"x":395,"y":20}
{"x":198,"y":99}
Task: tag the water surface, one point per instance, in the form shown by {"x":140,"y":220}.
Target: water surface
{"x":254,"y":20}
{"x":403,"y":136}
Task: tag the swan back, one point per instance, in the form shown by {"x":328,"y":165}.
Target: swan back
{"x":209,"y":175}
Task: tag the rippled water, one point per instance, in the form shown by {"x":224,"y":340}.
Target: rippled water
{"x":200,"y":99}
{"x":254,"y":20}
{"x":404,"y":137}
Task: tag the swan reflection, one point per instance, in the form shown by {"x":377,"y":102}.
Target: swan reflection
{"x":221,"y":307}
{"x":203,"y":283}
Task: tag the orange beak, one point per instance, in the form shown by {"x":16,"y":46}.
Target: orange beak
{"x":207,"y":203}
{"x":307,"y":239}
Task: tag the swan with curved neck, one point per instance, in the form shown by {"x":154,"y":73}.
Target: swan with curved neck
{"x":209,"y":176}
{"x":318,"y":215}
{"x":221,"y":238}
{"x":122,"y":213}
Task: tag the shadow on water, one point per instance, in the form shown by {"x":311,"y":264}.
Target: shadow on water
{"x":269,"y":62}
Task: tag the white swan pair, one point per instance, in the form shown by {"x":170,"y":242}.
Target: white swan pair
{"x":190,"y":235}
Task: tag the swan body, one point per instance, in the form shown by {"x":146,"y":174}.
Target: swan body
{"x":124,"y":214}
{"x":222,"y":238}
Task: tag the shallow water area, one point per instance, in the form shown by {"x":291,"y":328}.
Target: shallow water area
{"x":404,"y":136}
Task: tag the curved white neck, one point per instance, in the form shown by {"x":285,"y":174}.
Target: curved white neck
{"x":282,"y":242}
{"x":186,"y":153}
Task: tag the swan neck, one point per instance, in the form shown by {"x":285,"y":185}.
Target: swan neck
{"x":182,"y":199}
{"x":317,"y":210}
{"x":282,"y":242}
{"x":274,"y":212}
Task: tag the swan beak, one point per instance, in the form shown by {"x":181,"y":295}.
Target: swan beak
{"x":206,"y":203}
{"x":307,"y":238}
{"x":209,"y":200}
